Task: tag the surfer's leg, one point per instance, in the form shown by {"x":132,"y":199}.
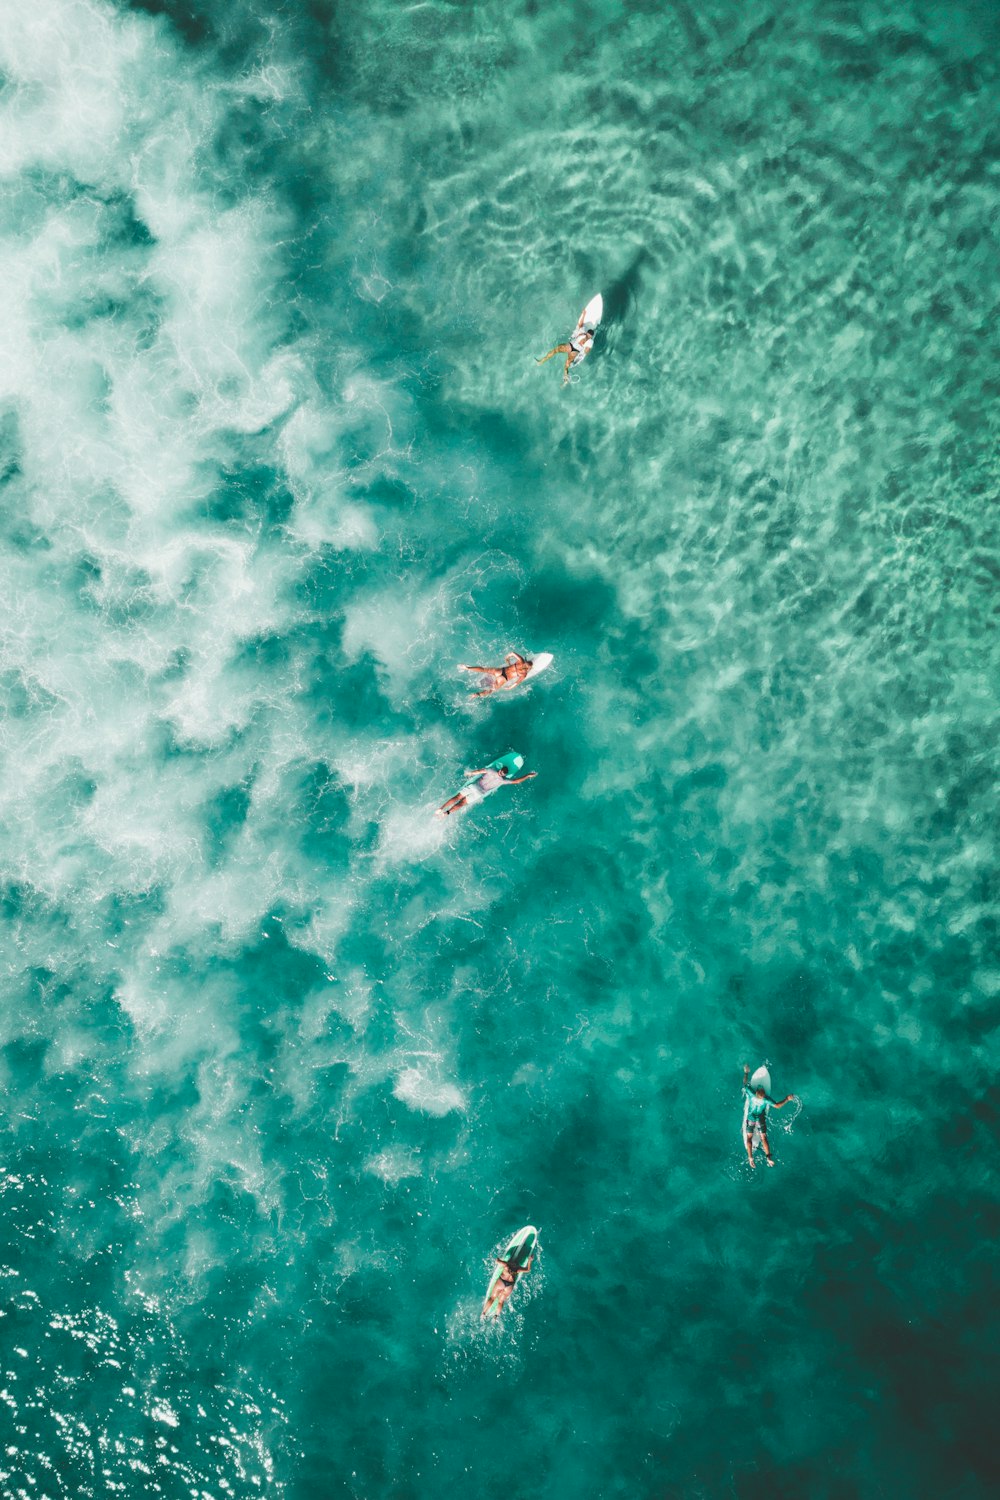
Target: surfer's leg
{"x":452,"y":805}
{"x":559,"y":349}
{"x":495,"y":674}
{"x":767,"y":1148}
{"x":750,"y":1147}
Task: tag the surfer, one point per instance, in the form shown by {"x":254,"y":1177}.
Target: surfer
{"x":757,"y":1103}
{"x":578,"y":348}
{"x":486,"y":781}
{"x":508,"y":1279}
{"x":514,"y":670}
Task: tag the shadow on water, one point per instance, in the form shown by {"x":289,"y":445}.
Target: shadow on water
{"x":622,"y":296}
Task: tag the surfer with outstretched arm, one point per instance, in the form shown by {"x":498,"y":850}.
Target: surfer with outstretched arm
{"x":514,"y":670}
{"x":578,"y":348}
{"x":757,"y":1103}
{"x":486,"y":781}
{"x":508,"y":1280}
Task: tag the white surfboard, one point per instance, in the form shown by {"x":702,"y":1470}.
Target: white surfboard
{"x":538,"y":664}
{"x":761,"y":1079}
{"x":592,"y":313}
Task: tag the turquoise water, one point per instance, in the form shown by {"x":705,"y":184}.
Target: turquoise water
{"x":284,"y":1058}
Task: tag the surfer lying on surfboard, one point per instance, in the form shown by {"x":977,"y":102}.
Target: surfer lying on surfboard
{"x":503,"y":1288}
{"x":757,"y":1105}
{"x":577,"y":349}
{"x":582,"y":338}
{"x":515,"y":670}
{"x":486,"y":781}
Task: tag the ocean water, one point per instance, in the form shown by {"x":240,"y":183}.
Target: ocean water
{"x":284,"y":1059}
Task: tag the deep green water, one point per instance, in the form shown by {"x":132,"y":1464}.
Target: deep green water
{"x":284,"y":1058}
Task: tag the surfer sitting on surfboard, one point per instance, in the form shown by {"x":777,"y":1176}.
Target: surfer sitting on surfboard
{"x":757,"y":1103}
{"x":508,"y":1278}
{"x":486,"y":781}
{"x":515,"y":670}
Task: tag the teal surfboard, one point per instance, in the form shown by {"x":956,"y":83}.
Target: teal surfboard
{"x":517,"y":1252}
{"x":511,"y":760}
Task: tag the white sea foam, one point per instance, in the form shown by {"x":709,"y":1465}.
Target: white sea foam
{"x":393,"y":1166}
{"x":421,"y":1089}
{"x":408,"y":835}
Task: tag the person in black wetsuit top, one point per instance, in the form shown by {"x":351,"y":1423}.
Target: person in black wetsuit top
{"x":579,"y":346}
{"x":514,"y":670}
{"x":508,"y":1280}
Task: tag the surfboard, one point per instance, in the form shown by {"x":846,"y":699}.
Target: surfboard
{"x":592,"y":313}
{"x":761,"y":1079}
{"x":517,"y":1251}
{"x":588,"y":320}
{"x":538,"y":664}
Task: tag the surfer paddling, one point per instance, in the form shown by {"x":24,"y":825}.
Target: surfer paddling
{"x":514,"y":670}
{"x":757,"y":1105}
{"x":576,"y":350}
{"x":487,"y":780}
{"x":509,"y":1273}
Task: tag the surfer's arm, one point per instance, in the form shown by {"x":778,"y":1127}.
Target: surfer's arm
{"x":475,"y":773}
{"x":786,"y":1100}
{"x":518,"y":779}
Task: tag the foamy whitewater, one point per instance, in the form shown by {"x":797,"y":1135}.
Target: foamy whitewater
{"x":284,"y":1058}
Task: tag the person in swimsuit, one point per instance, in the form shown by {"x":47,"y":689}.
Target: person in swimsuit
{"x":579,"y":346}
{"x":508,"y":1279}
{"x":514,"y":670}
{"x":757,"y":1103}
{"x":486,"y":781}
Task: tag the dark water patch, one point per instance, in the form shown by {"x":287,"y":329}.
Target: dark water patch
{"x":10,"y":448}
{"x":347,"y":694}
{"x":224,"y":815}
{"x":192,"y":19}
{"x":317,"y":800}
{"x":272,"y":973}
{"x":254,"y":493}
